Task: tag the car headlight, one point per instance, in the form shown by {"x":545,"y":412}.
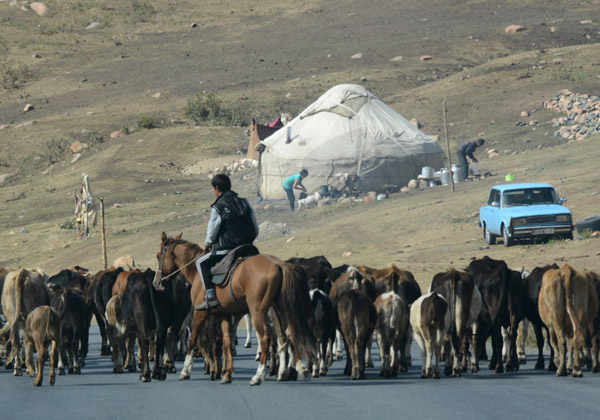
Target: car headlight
{"x":563,"y":218}
{"x":519,"y":221}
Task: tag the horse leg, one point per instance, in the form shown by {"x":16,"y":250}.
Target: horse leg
{"x":198,"y":321}
{"x":228,"y":368}
{"x":259,"y":320}
{"x":248,"y":322}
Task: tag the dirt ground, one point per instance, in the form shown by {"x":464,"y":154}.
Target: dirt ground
{"x":85,"y":84}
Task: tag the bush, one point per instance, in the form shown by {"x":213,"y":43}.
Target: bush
{"x":207,"y":108}
{"x":13,"y":76}
{"x":204,"y":107}
{"x":147,"y":122}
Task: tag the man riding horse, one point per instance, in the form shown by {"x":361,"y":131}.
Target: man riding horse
{"x":232,"y":223}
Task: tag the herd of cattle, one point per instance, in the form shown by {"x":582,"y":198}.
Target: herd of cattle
{"x":451,"y":322}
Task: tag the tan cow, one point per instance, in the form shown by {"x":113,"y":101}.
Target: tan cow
{"x":42,"y":328}
{"x":391,"y":330}
{"x":24,"y":290}
{"x":428,"y":320}
{"x":568,"y":304}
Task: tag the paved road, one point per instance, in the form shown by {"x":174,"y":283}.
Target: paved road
{"x":99,"y":394}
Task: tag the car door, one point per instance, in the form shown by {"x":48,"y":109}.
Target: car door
{"x":494,"y":218}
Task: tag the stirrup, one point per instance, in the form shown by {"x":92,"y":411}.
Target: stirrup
{"x":207,"y":304}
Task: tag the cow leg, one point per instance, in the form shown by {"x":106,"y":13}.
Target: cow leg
{"x":29,"y":350}
{"x":428,"y":371}
{"x":228,"y":366}
{"x":16,"y":349}
{"x":421,"y":342}
{"x":521,"y":339}
{"x":324,"y":344}
{"x":170,"y":350}
{"x":559,"y":343}
{"x":457,"y":348}
{"x":283,"y":373}
{"x":575,"y":345}
{"x":75,"y":352}
{"x":407,"y":347}
{"x":447,"y":356}
{"x":552,"y":362}
{"x":368,"y":358}
{"x":361,"y":343}
{"x":103,"y":326}
{"x":338,"y":343}
{"x":400,"y":353}
{"x":53,"y":354}
{"x":329,"y":356}
{"x":144,"y":350}
{"x":197,"y":322}
{"x":497,"y":351}
{"x":505,"y":344}
{"x":42,"y":348}
{"x":382,"y":353}
{"x":438,"y":351}
{"x":159,"y":371}
{"x":130,"y":359}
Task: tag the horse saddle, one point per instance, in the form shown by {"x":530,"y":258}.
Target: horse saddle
{"x":224,"y":269}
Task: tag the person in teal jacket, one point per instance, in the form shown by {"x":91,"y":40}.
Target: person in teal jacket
{"x":294,"y":182}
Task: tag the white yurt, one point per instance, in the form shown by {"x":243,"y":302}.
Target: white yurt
{"x":347,"y":131}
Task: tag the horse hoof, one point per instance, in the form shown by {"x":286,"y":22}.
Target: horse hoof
{"x":183,"y":377}
{"x":226,"y":380}
{"x":577,"y":374}
{"x":248,"y":345}
{"x":171,"y":369}
{"x":37,"y":383}
{"x":61,"y":371}
{"x":52,"y":381}
{"x":145,"y":378}
{"x":18,"y":372}
{"x":370,"y":364}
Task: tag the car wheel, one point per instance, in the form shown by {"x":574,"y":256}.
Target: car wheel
{"x":507,"y":241}
{"x":490,"y":238}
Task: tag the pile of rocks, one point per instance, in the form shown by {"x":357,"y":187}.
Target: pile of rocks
{"x":582,"y":115}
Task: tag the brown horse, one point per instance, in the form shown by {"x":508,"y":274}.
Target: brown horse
{"x":258,"y":283}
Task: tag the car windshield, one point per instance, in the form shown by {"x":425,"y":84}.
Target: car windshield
{"x":529,"y":196}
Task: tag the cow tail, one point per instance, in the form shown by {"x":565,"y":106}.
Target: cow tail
{"x":453,"y":281}
{"x":48,"y":318}
{"x":567,"y":272}
{"x":19,"y":293}
{"x":295,"y":306}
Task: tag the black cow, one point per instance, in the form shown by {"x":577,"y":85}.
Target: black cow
{"x":322,"y":324}
{"x":533,"y":285}
{"x":504,"y":306}
{"x":100,"y":290}
{"x":72,"y":306}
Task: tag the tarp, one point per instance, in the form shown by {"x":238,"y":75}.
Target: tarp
{"x":347,"y":131}
{"x":259,"y":132}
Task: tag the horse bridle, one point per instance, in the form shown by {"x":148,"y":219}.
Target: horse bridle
{"x":160,"y":267}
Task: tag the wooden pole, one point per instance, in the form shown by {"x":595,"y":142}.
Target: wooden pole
{"x":447,"y":144}
{"x":104,"y":264}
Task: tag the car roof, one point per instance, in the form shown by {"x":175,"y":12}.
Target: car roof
{"x":508,"y":187}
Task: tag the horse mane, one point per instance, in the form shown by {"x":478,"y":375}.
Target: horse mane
{"x":191,"y":252}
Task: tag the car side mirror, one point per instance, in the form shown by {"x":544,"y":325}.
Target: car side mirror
{"x":495,"y":204}
{"x":563,"y":200}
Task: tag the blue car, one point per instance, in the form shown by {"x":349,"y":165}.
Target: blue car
{"x":529,"y":211}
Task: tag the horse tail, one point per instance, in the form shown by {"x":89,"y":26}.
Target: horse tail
{"x":295,"y":306}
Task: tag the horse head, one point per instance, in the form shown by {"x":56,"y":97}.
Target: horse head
{"x":166,"y":260}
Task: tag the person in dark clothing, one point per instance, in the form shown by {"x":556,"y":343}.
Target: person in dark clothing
{"x":232,"y":223}
{"x":465,"y":151}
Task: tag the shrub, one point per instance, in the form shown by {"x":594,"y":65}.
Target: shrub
{"x":13,"y":76}
{"x":204,"y":107}
{"x":148,"y":122}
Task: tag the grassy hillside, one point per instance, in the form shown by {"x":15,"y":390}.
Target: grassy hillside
{"x":92,"y":68}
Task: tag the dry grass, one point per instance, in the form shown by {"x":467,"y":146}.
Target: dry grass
{"x":88,"y":83}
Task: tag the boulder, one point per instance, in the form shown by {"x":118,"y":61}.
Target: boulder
{"x":425,"y":58}
{"x":117,"y":134}
{"x":413,"y":184}
{"x":511,"y":29}
{"x":77,"y":147}
{"x":125,"y":261}
{"x":40,"y":8}
{"x":5,"y":177}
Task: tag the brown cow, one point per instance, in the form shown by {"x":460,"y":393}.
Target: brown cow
{"x":357,"y":316}
{"x":428,"y":319}
{"x":24,"y":290}
{"x":42,"y":328}
{"x":119,"y":336}
{"x":401,"y":282}
{"x":391,"y":329}
{"x":568,"y":304}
